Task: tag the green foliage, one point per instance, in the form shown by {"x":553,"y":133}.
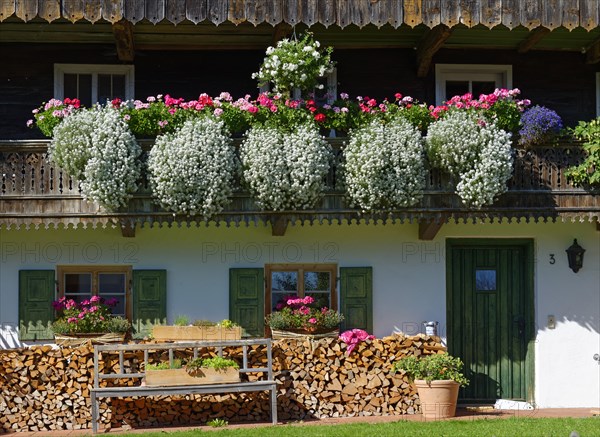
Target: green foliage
{"x":217,"y":423}
{"x":217,"y":363}
{"x":432,"y":368}
{"x":182,"y":320}
{"x":177,"y":364}
{"x":204,"y":323}
{"x":588,"y":172}
{"x":227,"y":324}
{"x":506,"y":114}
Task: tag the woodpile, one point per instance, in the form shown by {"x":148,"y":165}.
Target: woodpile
{"x":43,"y":389}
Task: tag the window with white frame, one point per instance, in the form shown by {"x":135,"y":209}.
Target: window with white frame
{"x":459,"y":79}
{"x":93,"y":83}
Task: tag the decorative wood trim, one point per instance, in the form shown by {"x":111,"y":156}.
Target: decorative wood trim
{"x":279,"y":224}
{"x":433,"y":41}
{"x":428,"y":229}
{"x":123,"y":33}
{"x":532,"y":39}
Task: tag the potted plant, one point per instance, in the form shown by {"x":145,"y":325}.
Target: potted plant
{"x":200,"y":330}
{"x":298,"y":317}
{"x":90,"y":319}
{"x":437,"y":378}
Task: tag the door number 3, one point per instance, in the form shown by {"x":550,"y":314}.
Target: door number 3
{"x":552,"y":260}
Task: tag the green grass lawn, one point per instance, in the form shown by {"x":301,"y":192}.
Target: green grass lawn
{"x":513,"y":427}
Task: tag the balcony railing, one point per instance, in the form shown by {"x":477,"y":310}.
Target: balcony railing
{"x":35,"y":192}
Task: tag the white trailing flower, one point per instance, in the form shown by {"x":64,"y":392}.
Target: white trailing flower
{"x":475,"y":151}
{"x":191,"y":171}
{"x":385,"y":166}
{"x":71,"y":143}
{"x":98,"y":148}
{"x":285,"y":170}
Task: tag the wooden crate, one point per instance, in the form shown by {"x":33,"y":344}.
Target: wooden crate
{"x":195,"y":333}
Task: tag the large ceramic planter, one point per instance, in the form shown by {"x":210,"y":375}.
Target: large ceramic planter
{"x":88,"y":338}
{"x":438,"y":398}
{"x":169,"y":377}
{"x":195,"y":333}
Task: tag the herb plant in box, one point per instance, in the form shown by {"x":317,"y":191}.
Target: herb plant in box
{"x":437,"y":378}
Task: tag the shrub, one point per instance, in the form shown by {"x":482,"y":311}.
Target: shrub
{"x":474,"y":151}
{"x":97,"y":148}
{"x":191,"y":171}
{"x":285,"y":170}
{"x":539,"y":124}
{"x":385,"y":166}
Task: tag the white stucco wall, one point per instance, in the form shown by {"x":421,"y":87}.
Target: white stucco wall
{"x":408,"y":279}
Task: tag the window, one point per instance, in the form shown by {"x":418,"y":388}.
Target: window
{"x":92,"y":83}
{"x":81,"y":282}
{"x":300,"y":280}
{"x":452,"y":80}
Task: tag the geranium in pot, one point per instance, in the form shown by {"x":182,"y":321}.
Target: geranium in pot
{"x":91,"y":319}
{"x":299,"y":317}
{"x":437,"y":378}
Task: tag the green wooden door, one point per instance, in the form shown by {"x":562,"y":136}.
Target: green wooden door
{"x":491,"y":316}
{"x":356,"y":298}
{"x":149,"y":300}
{"x":36,"y":293}
{"x":247,"y":300}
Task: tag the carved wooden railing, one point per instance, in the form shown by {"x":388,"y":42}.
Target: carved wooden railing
{"x":34,"y":191}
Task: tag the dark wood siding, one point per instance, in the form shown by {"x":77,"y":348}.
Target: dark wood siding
{"x":559,"y":80}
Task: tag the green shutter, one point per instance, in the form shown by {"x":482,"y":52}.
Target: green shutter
{"x":149,"y":300}
{"x":36,"y":293}
{"x":247,"y":300}
{"x":356,"y":298}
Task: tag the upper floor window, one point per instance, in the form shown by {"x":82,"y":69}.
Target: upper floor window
{"x":452,"y":80}
{"x":93,"y":83}
{"x":109,"y":282}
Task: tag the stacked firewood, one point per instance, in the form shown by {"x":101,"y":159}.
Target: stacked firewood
{"x":42,"y":388}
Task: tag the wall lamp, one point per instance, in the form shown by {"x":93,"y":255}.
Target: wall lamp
{"x":575,"y":255}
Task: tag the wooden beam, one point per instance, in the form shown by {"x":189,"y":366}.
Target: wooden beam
{"x":279,"y":225}
{"x":592,"y":53}
{"x":429,"y":229}
{"x":532,"y":39}
{"x":123,"y":33}
{"x":127,"y":229}
{"x":429,"y":45}
{"x":281,"y":31}
{"x":598,"y":225}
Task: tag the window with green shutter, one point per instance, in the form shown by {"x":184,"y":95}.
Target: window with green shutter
{"x":36,"y":314}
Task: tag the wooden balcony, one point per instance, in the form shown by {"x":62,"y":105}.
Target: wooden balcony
{"x":33,"y":192}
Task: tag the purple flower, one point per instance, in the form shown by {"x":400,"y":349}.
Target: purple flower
{"x":539,"y":124}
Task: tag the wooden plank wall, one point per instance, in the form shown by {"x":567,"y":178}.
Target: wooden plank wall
{"x":383,"y":72}
{"x":511,"y":13}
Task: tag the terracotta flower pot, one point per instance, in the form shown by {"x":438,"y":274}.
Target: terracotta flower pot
{"x":438,"y":398}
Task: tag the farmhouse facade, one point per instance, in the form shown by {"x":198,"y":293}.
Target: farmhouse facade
{"x":496,"y":279}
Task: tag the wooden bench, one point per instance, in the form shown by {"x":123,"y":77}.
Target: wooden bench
{"x":268,"y":384}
